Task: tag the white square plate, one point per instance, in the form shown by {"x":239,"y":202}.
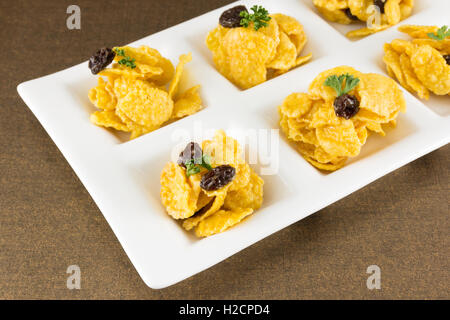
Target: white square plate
{"x":123,"y":177}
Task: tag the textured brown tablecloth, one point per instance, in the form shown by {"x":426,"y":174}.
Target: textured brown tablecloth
{"x":48,"y":221}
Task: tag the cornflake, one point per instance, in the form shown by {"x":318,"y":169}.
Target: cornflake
{"x":252,"y":53}
{"x":420,"y":65}
{"x":391,"y":12}
{"x":140,"y":93}
{"x":325,"y":137}
{"x":208,"y":212}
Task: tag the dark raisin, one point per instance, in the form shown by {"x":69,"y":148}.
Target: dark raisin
{"x":380,"y":4}
{"x":346,"y":106}
{"x":231,"y":18}
{"x":192,"y":151}
{"x":101,"y":59}
{"x":217,"y":178}
{"x":447,"y":58}
{"x":350,"y":15}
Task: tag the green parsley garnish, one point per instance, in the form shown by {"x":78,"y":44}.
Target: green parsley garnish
{"x":441,"y":34}
{"x":126,"y":61}
{"x":194,"y":165}
{"x":119,"y":52}
{"x":336,"y":83}
{"x":259,"y":17}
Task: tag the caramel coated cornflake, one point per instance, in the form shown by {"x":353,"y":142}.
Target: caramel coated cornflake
{"x":210,"y":207}
{"x":137,"y":97}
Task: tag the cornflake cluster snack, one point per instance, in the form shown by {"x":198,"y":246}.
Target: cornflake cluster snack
{"x":211,"y":188}
{"x":422,"y":64}
{"x":390,"y":12}
{"x":249,"y":48}
{"x":331,"y":122}
{"x":134,"y":97}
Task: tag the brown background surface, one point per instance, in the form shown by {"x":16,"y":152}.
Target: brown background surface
{"x":48,"y":220}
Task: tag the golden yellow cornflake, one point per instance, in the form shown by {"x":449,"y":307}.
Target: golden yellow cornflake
{"x":419,"y":32}
{"x":203,"y":200}
{"x":213,"y":42}
{"x":188,"y":102}
{"x":136,"y":95}
{"x":376,"y":18}
{"x":327,"y":135}
{"x":419,"y":65}
{"x":272,"y":31}
{"x":392,"y":60}
{"x":338,"y":16}
{"x":380,"y":95}
{"x":400,"y":46}
{"x":361,"y":131}
{"x":411,"y":78}
{"x":442,"y":46}
{"x":286,"y":54}
{"x":366,"y":31}
{"x":293,"y":29}
{"x":392,"y":11}
{"x":247,"y":51}
{"x":221,"y":221}
{"x":331,"y":5}
{"x":214,"y":210}
{"x":360,"y":8}
{"x":375,"y":127}
{"x":150,"y":65}
{"x":302,"y":60}
{"x":341,"y":140}
{"x":123,"y":86}
{"x":101,"y":95}
{"x":242,"y":177}
{"x":108,"y":119}
{"x":150,"y":107}
{"x":248,"y":57}
{"x":185,"y":58}
{"x":177,"y":195}
{"x":224,"y":150}
{"x":247,"y":196}
{"x":390,"y":72}
{"x":431,"y":69}
{"x":328,"y":166}
{"x":406,"y":8}
{"x":118,"y":70}
{"x":298,"y":62}
{"x":136,"y":129}
{"x":296,"y":105}
{"x":218,"y":201}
